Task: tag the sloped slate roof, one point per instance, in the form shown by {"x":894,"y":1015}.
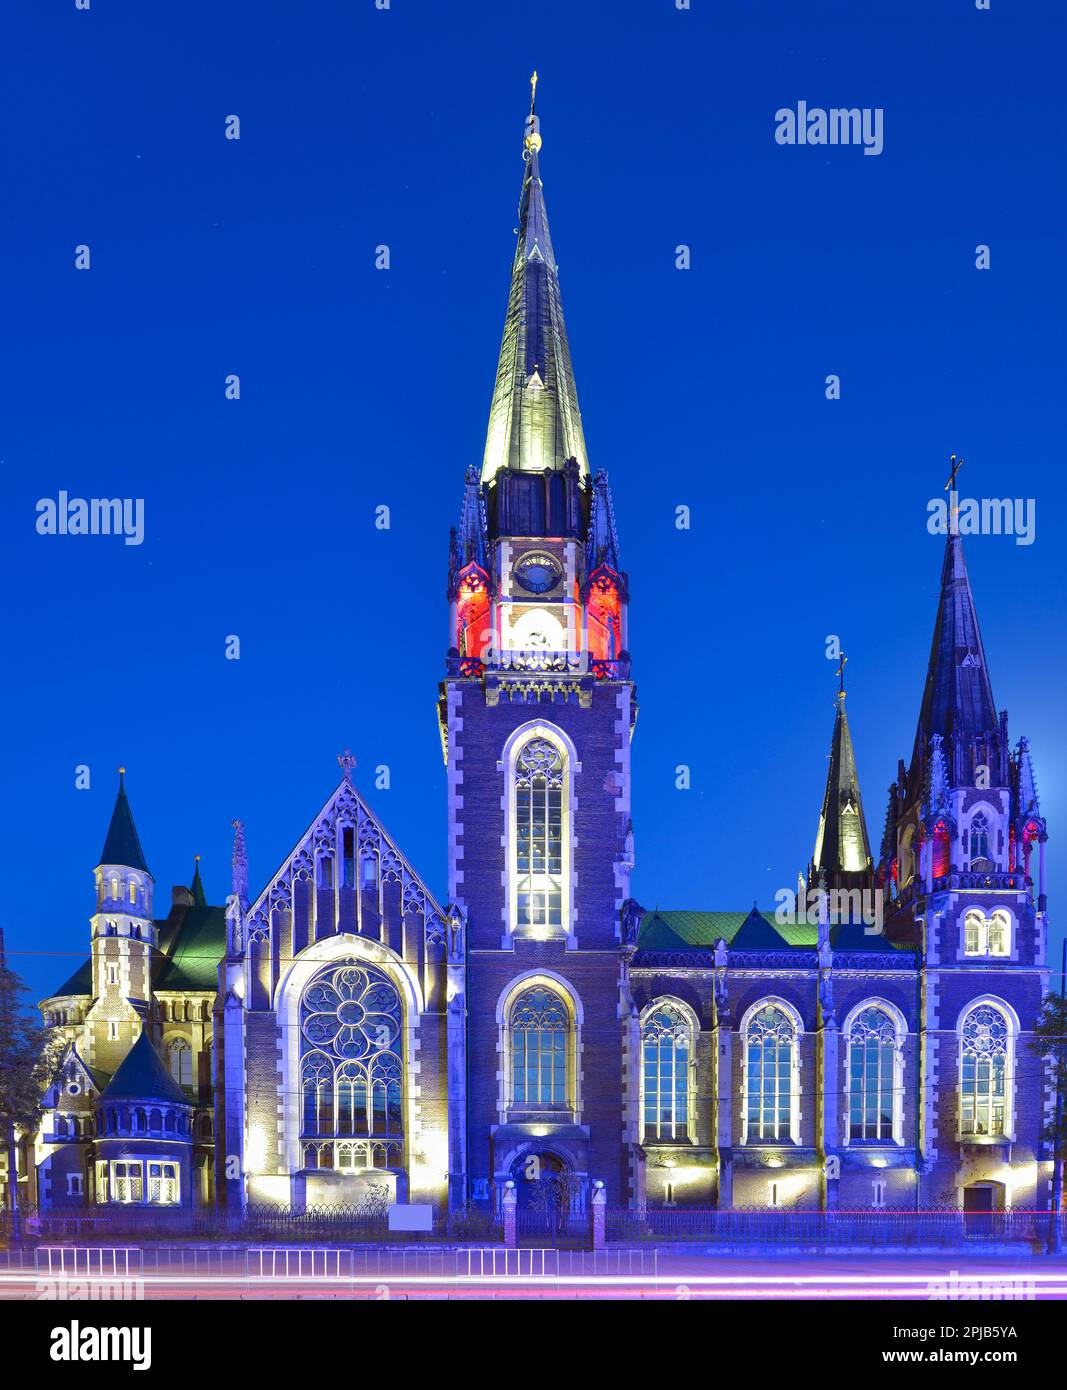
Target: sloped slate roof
{"x":853,"y":936}
{"x":142,"y":1075}
{"x":123,"y":845}
{"x":81,"y":982}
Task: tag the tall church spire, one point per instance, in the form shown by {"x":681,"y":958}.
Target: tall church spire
{"x":957,"y":699}
{"x":534,"y":420}
{"x":842,"y":851}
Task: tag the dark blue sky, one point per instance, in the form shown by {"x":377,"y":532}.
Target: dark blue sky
{"x":360,"y":387}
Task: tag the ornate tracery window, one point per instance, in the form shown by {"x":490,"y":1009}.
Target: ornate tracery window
{"x":539,"y":1023}
{"x":666,"y":1047}
{"x":770,"y":1059}
{"x":979,"y":838}
{"x":352,"y":1071}
{"x":985,"y":1067}
{"x":872,"y":1069}
{"x":538,"y":863}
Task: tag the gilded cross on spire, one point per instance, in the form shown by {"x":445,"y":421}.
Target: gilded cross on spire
{"x":841,"y":673}
{"x":533,"y":90}
{"x":347,"y":762}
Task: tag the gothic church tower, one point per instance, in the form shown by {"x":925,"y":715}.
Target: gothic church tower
{"x":537,"y":712}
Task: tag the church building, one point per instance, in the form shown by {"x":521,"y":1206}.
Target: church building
{"x":345,"y":1035}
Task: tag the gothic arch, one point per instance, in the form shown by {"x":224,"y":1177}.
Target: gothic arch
{"x":692,"y":1023}
{"x":900,"y":1032}
{"x":565,"y":991}
{"x":771,"y":1001}
{"x":320,"y":954}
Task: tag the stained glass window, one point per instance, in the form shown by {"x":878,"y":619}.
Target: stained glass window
{"x":352,"y":1069}
{"x":986,"y":1048}
{"x":540,"y":1030}
{"x":769,"y":1056}
{"x":539,"y":835}
{"x":872,"y":1046}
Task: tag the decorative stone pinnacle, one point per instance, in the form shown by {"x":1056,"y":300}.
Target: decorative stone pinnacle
{"x":347,"y":762}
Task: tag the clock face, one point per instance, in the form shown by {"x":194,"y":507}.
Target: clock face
{"x":538,"y":573}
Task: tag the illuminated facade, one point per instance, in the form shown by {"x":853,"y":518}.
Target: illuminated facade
{"x":344,"y":1037}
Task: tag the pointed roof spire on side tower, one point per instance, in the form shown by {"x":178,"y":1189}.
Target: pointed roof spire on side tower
{"x":534,"y":420}
{"x":197,"y":887}
{"x":122,"y":846}
{"x":957,"y":698}
{"x":842,"y":849}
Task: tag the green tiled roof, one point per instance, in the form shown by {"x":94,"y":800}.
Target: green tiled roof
{"x":193,"y":955}
{"x":689,"y":931}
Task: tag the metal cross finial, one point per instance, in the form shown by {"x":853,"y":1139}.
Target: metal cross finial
{"x":347,"y":762}
{"x":957,"y":464}
{"x":950,"y":488}
{"x":533,"y":90}
{"x":841,"y":672}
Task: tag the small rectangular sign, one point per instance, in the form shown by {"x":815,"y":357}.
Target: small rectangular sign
{"x":412,"y":1217}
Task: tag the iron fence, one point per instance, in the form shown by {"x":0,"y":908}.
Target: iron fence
{"x":740,"y":1228}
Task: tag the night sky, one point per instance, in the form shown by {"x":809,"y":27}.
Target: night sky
{"x":362,"y":387}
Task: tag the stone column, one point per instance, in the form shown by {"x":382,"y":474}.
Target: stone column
{"x":600,"y":1204}
{"x":830,"y":1038}
{"x":724,"y":1135}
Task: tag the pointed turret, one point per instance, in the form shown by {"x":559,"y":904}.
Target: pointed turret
{"x":842,"y":851}
{"x":197,"y":887}
{"x":122,"y":845}
{"x":957,"y":700}
{"x":534,"y":420}
{"x":602,"y":543}
{"x":240,"y":863}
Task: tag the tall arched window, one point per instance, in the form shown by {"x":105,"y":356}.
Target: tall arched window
{"x":352,"y":1069}
{"x":181,"y":1062}
{"x":770,"y":1060}
{"x":538,"y":853}
{"x":666,"y":1047}
{"x":872,"y":1053}
{"x":985,"y":1071}
{"x":540,"y":1027}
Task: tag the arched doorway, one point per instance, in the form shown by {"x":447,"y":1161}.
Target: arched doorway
{"x":543,"y":1181}
{"x":550,"y":1198}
